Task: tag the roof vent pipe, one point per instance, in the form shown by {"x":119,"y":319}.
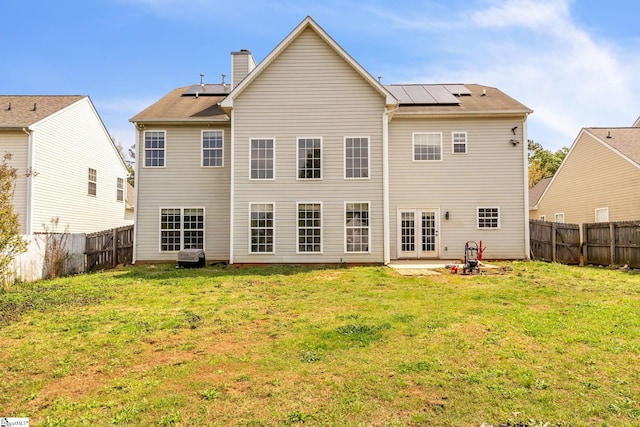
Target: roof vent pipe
{"x":609,"y":135}
{"x":35,"y":107}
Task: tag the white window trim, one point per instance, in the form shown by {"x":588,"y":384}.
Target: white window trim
{"x":94,"y":182}
{"x":321,"y":229}
{"x":144,"y":149}
{"x":413,"y":147}
{"x":478,"y":217}
{"x":182,"y":208}
{"x":249,"y":252}
{"x":601,"y":210}
{"x":274,"y":160}
{"x":202,"y":147}
{"x":555,"y":217}
{"x":344,"y":224}
{"x":321,"y":159}
{"x":466,"y":143}
{"x":344,"y":158}
{"x":124,"y":193}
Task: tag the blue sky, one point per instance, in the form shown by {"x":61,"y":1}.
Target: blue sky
{"x":575,"y":63}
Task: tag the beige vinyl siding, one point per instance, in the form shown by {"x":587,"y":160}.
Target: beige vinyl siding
{"x":183,"y":183}
{"x":490,"y":175}
{"x":17,"y":143}
{"x":308,"y":91}
{"x":65,"y":146}
{"x":593,"y":176}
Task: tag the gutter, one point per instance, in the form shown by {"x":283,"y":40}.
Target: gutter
{"x":28,"y":217}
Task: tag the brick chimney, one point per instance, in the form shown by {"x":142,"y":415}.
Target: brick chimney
{"x":242,"y":63}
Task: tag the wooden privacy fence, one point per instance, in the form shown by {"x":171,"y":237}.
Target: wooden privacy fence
{"x":603,"y":243}
{"x":612,"y":243}
{"x":106,"y":249}
{"x":555,"y":242}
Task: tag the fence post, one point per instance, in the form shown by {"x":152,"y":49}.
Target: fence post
{"x":554,"y":249}
{"x":585,"y":244}
{"x":115,"y":247}
{"x":612,"y":242}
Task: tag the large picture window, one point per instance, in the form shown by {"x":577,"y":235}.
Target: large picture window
{"x":357,"y":227}
{"x":309,"y":158}
{"x":356,"y":157}
{"x":262,"y":228}
{"x":262,"y":158}
{"x":309,"y":227}
{"x":427,"y":146}
{"x":181,"y":228}
{"x":488,"y":217}
{"x":212,"y":148}
{"x":154,"y":142}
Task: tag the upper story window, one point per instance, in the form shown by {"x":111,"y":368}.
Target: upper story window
{"x":262,"y":158}
{"x":427,"y":146}
{"x":488,"y":217}
{"x":120,"y":189}
{"x":602,"y":215}
{"x":356,"y":157}
{"x":212,"y":148}
{"x":154,"y":148}
{"x":309,"y":158}
{"x":459,"y":142}
{"x":93,"y":182}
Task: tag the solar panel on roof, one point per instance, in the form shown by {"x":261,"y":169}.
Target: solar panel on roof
{"x":207,"y":89}
{"x":441,"y":94}
{"x":400,"y":94}
{"x":419,"y":95}
{"x":458,"y":89}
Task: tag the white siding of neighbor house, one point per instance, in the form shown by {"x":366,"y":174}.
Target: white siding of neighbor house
{"x":308,"y":91}
{"x":183,"y":183}
{"x":66,"y":145}
{"x":592,"y":177}
{"x":17,"y":143}
{"x":491,"y":174}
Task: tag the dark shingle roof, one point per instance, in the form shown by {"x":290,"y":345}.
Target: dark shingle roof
{"x":17,"y":111}
{"x":176,"y":107}
{"x":537,"y":190}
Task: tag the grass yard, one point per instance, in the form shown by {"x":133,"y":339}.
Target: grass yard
{"x":537,"y":344}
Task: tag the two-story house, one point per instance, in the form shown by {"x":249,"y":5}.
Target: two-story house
{"x":68,"y":165}
{"x":307,"y":158}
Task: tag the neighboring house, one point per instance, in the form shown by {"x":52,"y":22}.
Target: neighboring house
{"x":74,"y":172}
{"x":306,"y":158}
{"x":598,"y":180}
{"x":129,"y":213}
{"x":535,"y":193}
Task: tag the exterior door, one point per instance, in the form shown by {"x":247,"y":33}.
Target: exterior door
{"x":418,"y":233}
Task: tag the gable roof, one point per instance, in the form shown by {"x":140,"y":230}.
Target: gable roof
{"x":20,"y":111}
{"x":176,"y":107}
{"x":624,"y":141}
{"x":536,"y":192}
{"x":307,"y":23}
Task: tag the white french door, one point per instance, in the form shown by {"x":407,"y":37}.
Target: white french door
{"x":418,"y":233}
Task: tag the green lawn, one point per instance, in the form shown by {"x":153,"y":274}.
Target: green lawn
{"x":531,"y":343}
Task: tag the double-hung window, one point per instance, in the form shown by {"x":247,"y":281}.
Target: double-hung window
{"x":181,"y":228}
{"x":427,"y":146}
{"x":262,"y":228}
{"x":120,"y":189}
{"x":154,"y":146}
{"x":212,"y":148}
{"x":262,"y":158}
{"x":357,"y":231}
{"x":459,"y":142}
{"x":356,"y":157}
{"x":489,"y":217}
{"x":92,"y":188}
{"x":309,"y":227}
{"x":309,"y":158}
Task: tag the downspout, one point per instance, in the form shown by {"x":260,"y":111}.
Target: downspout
{"x":385,"y":184}
{"x":525,"y":151}
{"x":232,"y":197}
{"x":30,"y":171}
{"x":136,"y":209}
